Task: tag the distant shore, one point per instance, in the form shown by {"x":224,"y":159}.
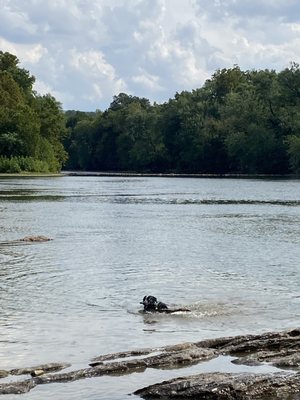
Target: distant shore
{"x":144,"y":174}
{"x":29,"y":175}
{"x":175,"y":175}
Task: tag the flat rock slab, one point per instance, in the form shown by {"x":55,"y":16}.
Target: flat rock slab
{"x":280,"y":349}
{"x":26,"y":240}
{"x":43,"y":368}
{"x":17,"y":387}
{"x":39,"y":238}
{"x":219,"y":386}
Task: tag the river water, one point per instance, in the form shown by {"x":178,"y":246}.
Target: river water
{"x":228,"y":249}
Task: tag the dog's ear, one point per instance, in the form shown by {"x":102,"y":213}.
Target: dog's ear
{"x":144,"y":299}
{"x":152,"y":299}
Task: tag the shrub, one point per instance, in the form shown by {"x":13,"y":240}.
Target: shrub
{"x":22,"y":164}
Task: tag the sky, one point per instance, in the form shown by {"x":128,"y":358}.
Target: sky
{"x":84,"y":52}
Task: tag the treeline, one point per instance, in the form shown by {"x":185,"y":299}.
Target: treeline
{"x":32,"y":127}
{"x":238,"y":122}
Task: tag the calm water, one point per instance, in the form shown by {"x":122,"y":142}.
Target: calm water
{"x":228,"y":249}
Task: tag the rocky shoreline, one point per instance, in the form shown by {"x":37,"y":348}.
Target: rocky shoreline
{"x":280,"y":349}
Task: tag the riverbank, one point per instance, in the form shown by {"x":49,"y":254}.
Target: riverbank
{"x":144,"y":174}
{"x":29,"y":175}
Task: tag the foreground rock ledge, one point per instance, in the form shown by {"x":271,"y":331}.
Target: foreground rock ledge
{"x":219,"y":386}
{"x":280,"y":349}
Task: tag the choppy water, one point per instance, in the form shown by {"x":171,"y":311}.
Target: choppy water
{"x":229,"y":249}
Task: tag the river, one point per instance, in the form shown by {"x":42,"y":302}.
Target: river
{"x":228,"y":249}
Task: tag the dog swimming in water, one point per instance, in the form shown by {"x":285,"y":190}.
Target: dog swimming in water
{"x":151,"y":304}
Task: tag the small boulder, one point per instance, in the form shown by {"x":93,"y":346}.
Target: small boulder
{"x":3,"y":373}
{"x":37,"y":372}
{"x":35,"y":239}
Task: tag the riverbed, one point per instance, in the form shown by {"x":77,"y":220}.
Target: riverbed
{"x":228,"y":249}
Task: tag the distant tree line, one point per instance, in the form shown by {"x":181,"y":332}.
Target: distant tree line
{"x":32,"y":127}
{"x":238,"y":122}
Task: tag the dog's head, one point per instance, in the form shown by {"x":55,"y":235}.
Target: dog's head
{"x":149,"y":303}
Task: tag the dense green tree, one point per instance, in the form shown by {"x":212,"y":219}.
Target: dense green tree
{"x":140,"y":144}
{"x":238,"y":122}
{"x":9,"y":63}
{"x":53,"y":127}
{"x":293,"y":143}
{"x":19,"y":124}
{"x":31,"y":127}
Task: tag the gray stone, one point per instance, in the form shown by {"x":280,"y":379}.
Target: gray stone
{"x":222,"y":386}
{"x":51,"y":367}
{"x":17,"y":387}
{"x":39,"y":238}
{"x":3,"y":373}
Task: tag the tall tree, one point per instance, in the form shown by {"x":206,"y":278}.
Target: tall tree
{"x":30,"y":125}
{"x":53,"y":129}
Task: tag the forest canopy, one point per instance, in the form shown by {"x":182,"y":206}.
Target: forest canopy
{"x":239,"y":122}
{"x":32,"y":127}
{"x":244,"y":122}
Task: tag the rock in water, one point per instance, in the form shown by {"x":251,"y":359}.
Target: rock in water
{"x":17,"y":387}
{"x":3,"y":373}
{"x":35,"y":239}
{"x":224,"y":386}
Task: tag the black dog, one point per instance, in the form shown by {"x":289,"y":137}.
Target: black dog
{"x":151,"y":304}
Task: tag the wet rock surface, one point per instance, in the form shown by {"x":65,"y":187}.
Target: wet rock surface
{"x":17,"y":387}
{"x":281,"y":349}
{"x":39,"y":238}
{"x":51,"y":367}
{"x":218,"y":386}
{"x":26,"y":240}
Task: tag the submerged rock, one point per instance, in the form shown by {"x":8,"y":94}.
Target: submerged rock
{"x":26,"y":240}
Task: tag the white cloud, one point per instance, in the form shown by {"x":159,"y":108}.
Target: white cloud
{"x":86,"y":52}
{"x":150,"y":82}
{"x":98,"y":79}
{"x":28,"y":53}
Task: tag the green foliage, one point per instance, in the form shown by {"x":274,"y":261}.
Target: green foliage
{"x":293,"y":143}
{"x":9,"y":63}
{"x":46,"y":155}
{"x":238,"y":122}
{"x":31,"y":127}
{"x":22,"y":164}
{"x":52,"y":125}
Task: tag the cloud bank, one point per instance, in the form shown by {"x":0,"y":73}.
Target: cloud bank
{"x":86,"y":52}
